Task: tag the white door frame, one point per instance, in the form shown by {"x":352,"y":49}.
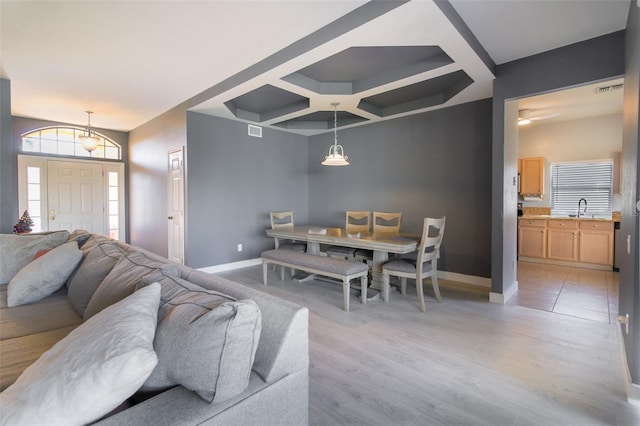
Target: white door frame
{"x":176,"y":206}
{"x":41,"y":162}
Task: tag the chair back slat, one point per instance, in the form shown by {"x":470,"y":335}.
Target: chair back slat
{"x":429,"y":248}
{"x":358,"y":222}
{"x":281,"y":219}
{"x":386,"y":222}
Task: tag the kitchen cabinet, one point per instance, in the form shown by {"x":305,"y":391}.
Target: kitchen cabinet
{"x":531,"y":172}
{"x":596,"y":242}
{"x":587,"y":243}
{"x":532,"y":238}
{"x":562,"y":240}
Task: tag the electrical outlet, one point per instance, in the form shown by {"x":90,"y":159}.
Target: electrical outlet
{"x":239,"y":247}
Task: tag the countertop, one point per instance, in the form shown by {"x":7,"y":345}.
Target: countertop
{"x":553,"y":217}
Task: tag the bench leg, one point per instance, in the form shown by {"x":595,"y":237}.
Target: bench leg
{"x":363,"y":286}
{"x":282,"y":268}
{"x":265,"y":268}
{"x":346,"y":290}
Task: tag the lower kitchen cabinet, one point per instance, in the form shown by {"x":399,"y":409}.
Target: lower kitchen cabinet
{"x":596,"y":242}
{"x":562,"y":240}
{"x":578,"y":241}
{"x":532,"y":238}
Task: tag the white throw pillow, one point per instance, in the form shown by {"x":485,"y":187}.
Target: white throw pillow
{"x":92,"y":370}
{"x":18,"y":250}
{"x":44,"y":276}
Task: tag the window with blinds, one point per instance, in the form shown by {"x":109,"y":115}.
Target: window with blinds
{"x":591,"y":180}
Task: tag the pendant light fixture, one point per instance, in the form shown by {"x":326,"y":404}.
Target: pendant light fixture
{"x":336,"y":155}
{"x":89,"y":140}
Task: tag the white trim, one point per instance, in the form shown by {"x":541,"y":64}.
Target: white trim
{"x":231,"y":266}
{"x":633,"y":390}
{"x":503,"y":298}
{"x":467,"y":279}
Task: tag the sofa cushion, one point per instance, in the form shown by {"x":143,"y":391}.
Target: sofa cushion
{"x":92,"y":241}
{"x":18,"y":250}
{"x":97,"y":264}
{"x":44,"y":276}
{"x":206,"y":341}
{"x":122,"y":280}
{"x":92,"y":370}
{"x":80,"y":236}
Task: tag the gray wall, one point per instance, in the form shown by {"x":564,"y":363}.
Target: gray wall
{"x":629,"y":274}
{"x":427,"y":165}
{"x":580,"y":63}
{"x":8,"y":173}
{"x":148,"y":159}
{"x":234,"y":181}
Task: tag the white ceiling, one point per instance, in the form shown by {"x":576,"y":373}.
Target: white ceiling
{"x":129,"y":61}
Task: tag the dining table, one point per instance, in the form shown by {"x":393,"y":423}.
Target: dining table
{"x":381,"y":244}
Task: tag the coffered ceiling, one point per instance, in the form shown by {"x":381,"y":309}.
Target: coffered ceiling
{"x":274,"y":63}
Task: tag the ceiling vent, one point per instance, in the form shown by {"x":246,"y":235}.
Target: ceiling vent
{"x":255,"y":131}
{"x":607,"y":89}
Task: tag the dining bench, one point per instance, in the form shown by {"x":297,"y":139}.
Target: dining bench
{"x":314,"y":264}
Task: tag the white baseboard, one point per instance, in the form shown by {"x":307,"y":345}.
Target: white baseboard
{"x":633,"y":390}
{"x":467,"y":279}
{"x":502,"y":298}
{"x":231,"y":266}
{"x":452,"y":276}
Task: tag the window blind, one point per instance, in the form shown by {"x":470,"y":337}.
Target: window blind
{"x":592,"y":181}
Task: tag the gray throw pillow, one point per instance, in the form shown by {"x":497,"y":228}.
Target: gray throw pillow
{"x":44,"y":276}
{"x":205,"y":341}
{"x":97,"y":264}
{"x":18,"y":250}
{"x":94,"y":240}
{"x":122,"y":280}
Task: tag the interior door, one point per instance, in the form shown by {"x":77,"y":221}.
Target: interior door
{"x":175,"y":208}
{"x":75,"y":196}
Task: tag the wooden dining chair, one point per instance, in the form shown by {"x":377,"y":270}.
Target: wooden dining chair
{"x":383,"y":223}
{"x":386,"y":222}
{"x":285,"y":220}
{"x":424,"y":266}
{"x":355,"y":222}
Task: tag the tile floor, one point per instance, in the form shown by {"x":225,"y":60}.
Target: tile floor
{"x":578,"y":292}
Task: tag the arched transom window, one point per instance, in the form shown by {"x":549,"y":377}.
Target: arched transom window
{"x":66,"y":141}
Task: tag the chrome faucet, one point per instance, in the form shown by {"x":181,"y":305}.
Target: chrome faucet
{"x":580,"y":203}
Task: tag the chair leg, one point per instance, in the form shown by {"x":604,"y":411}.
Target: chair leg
{"x":282,"y":268}
{"x":293,"y":272}
{"x":385,"y":286}
{"x":403,"y":285}
{"x":346,"y":290}
{"x":363,"y":289}
{"x":436,"y":289}
{"x":420,"y":294}
{"x":265,"y":269}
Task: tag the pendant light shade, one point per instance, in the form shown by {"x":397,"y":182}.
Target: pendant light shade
{"x":336,"y":155}
{"x":89,"y":140}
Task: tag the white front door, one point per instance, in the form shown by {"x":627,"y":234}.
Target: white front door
{"x":75,"y":196}
{"x":175,"y":197}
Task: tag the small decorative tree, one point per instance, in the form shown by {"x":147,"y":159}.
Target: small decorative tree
{"x":24,"y":223}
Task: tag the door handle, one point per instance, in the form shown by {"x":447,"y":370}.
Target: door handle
{"x":52,"y":214}
{"x":170,"y":218}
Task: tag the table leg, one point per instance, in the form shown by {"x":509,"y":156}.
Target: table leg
{"x":312,"y":248}
{"x":379,"y":258}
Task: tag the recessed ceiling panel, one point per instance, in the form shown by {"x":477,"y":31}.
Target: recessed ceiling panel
{"x":416,"y":96}
{"x":320,"y":120}
{"x":361,"y":68}
{"x":265,"y":103}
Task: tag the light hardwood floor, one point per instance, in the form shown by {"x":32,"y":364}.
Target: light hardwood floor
{"x":465,"y":361}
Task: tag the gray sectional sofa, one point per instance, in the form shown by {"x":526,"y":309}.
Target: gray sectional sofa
{"x":276,"y":391}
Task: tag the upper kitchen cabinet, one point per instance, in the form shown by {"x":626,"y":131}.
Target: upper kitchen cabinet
{"x":531,"y":171}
